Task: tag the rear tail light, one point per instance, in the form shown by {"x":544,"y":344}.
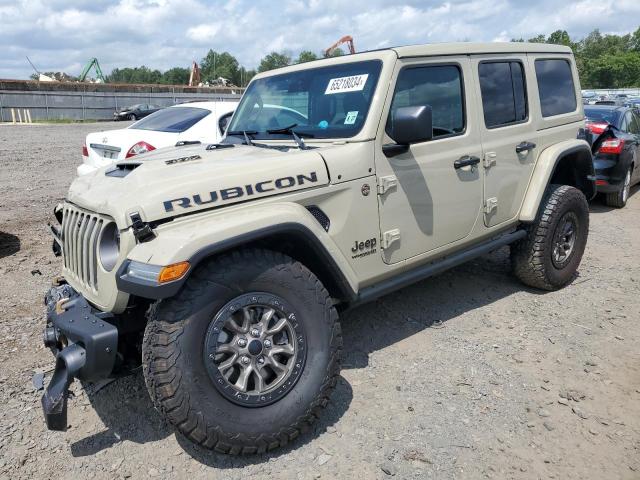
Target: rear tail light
{"x":597,"y":127}
{"x":613,"y":145}
{"x":138,"y":148}
{"x":85,"y":152}
{"x":602,"y":182}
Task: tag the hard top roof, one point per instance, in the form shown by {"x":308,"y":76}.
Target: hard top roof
{"x":466,"y":48}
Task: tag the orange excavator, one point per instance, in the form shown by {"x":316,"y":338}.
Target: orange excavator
{"x":348,"y":39}
{"x":194,"y":78}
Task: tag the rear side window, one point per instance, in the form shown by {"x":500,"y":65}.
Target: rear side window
{"x":504,"y":97}
{"x":634,"y":125}
{"x":173,"y":120}
{"x":555,"y":87}
{"x":439,"y":86}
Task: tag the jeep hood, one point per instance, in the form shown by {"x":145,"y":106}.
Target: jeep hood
{"x":179,"y":180}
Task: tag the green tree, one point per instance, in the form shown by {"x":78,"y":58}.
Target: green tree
{"x":634,"y":41}
{"x":274,"y":60}
{"x":176,"y":76}
{"x":243,"y":77}
{"x":538,"y":39}
{"x":306,"y":56}
{"x":613,"y":71}
{"x":561,"y":37}
{"x":134,"y":75}
{"x":215,"y":65}
{"x":338,"y":52}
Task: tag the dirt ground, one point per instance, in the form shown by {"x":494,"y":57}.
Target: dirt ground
{"x":466,"y":375}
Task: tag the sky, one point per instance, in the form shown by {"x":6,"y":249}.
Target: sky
{"x":60,"y":35}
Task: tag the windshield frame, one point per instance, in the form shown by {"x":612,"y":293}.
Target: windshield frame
{"x":375,"y":69}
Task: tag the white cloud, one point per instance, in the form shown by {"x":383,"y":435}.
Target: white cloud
{"x":203,"y":33}
{"x":64,"y":34}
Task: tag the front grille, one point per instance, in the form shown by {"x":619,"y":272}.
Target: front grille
{"x":80,"y":234}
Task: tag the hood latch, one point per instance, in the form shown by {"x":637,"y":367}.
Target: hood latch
{"x":141,"y":230}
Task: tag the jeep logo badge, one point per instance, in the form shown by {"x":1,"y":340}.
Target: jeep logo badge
{"x":362,"y":249}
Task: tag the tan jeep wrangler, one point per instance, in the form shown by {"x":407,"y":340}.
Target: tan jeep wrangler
{"x":222,"y":268}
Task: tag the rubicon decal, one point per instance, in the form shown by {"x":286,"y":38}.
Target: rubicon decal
{"x":232,"y":193}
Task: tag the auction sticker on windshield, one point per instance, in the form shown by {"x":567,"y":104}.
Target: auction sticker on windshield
{"x":354,"y":83}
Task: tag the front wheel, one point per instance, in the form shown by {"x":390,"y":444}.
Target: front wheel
{"x":245,"y":357}
{"x":132,"y":117}
{"x":549,"y":256}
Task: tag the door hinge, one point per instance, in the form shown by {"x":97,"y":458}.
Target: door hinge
{"x":386,"y":183}
{"x":490,"y":205}
{"x":389,"y":237}
{"x":489,"y":159}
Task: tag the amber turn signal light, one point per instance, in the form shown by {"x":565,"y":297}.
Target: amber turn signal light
{"x":173,"y":272}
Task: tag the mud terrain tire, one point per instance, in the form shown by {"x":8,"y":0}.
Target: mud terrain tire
{"x":175,"y":344}
{"x":548,"y":257}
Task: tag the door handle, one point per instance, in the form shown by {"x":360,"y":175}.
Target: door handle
{"x":465,"y":161}
{"x":525,"y":147}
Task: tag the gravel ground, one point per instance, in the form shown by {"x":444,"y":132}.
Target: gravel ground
{"x":467,"y":375}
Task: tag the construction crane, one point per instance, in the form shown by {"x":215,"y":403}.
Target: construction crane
{"x":41,"y":76}
{"x":194,"y":78}
{"x":91,"y":63}
{"x":348,"y":39}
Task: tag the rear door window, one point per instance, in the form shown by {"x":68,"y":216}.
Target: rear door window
{"x":555,"y":87}
{"x":173,"y":120}
{"x":504,"y":97}
{"x":634,"y":126}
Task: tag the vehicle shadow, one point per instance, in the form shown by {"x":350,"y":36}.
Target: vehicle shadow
{"x":9,"y":244}
{"x":427,"y":304}
{"x":597,"y":205}
{"x":126,"y":410}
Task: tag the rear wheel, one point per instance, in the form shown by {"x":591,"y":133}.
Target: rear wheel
{"x":619,"y":199}
{"x":550,"y":254}
{"x":244,"y":358}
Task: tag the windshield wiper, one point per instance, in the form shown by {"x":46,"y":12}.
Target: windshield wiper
{"x":289,"y":130}
{"x":245,"y":134}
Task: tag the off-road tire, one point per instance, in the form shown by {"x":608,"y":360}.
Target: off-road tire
{"x":619,"y":199}
{"x":531,"y":257}
{"x":176,"y":375}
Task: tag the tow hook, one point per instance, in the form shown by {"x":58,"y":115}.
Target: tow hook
{"x":54,"y":401}
{"x":84,"y":343}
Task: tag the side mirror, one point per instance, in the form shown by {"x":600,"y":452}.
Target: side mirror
{"x":409,"y":125}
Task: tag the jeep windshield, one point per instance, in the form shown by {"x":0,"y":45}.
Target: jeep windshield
{"x":323,"y":102}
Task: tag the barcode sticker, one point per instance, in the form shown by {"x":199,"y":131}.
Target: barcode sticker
{"x":350,"y":118}
{"x":354,"y":83}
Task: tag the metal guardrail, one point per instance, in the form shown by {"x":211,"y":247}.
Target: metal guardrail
{"x":632,"y":92}
{"x":74,"y":105}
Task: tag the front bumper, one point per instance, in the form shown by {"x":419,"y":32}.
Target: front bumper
{"x":84,"y":344}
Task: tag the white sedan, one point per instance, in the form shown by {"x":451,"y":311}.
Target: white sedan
{"x":203,"y":122}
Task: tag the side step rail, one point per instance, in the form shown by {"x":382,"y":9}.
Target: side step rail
{"x":405,"y":279}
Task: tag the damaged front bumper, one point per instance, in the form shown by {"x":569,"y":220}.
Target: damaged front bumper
{"x":84,"y":343}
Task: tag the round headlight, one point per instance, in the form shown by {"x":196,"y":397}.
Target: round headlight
{"x":109,"y":247}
